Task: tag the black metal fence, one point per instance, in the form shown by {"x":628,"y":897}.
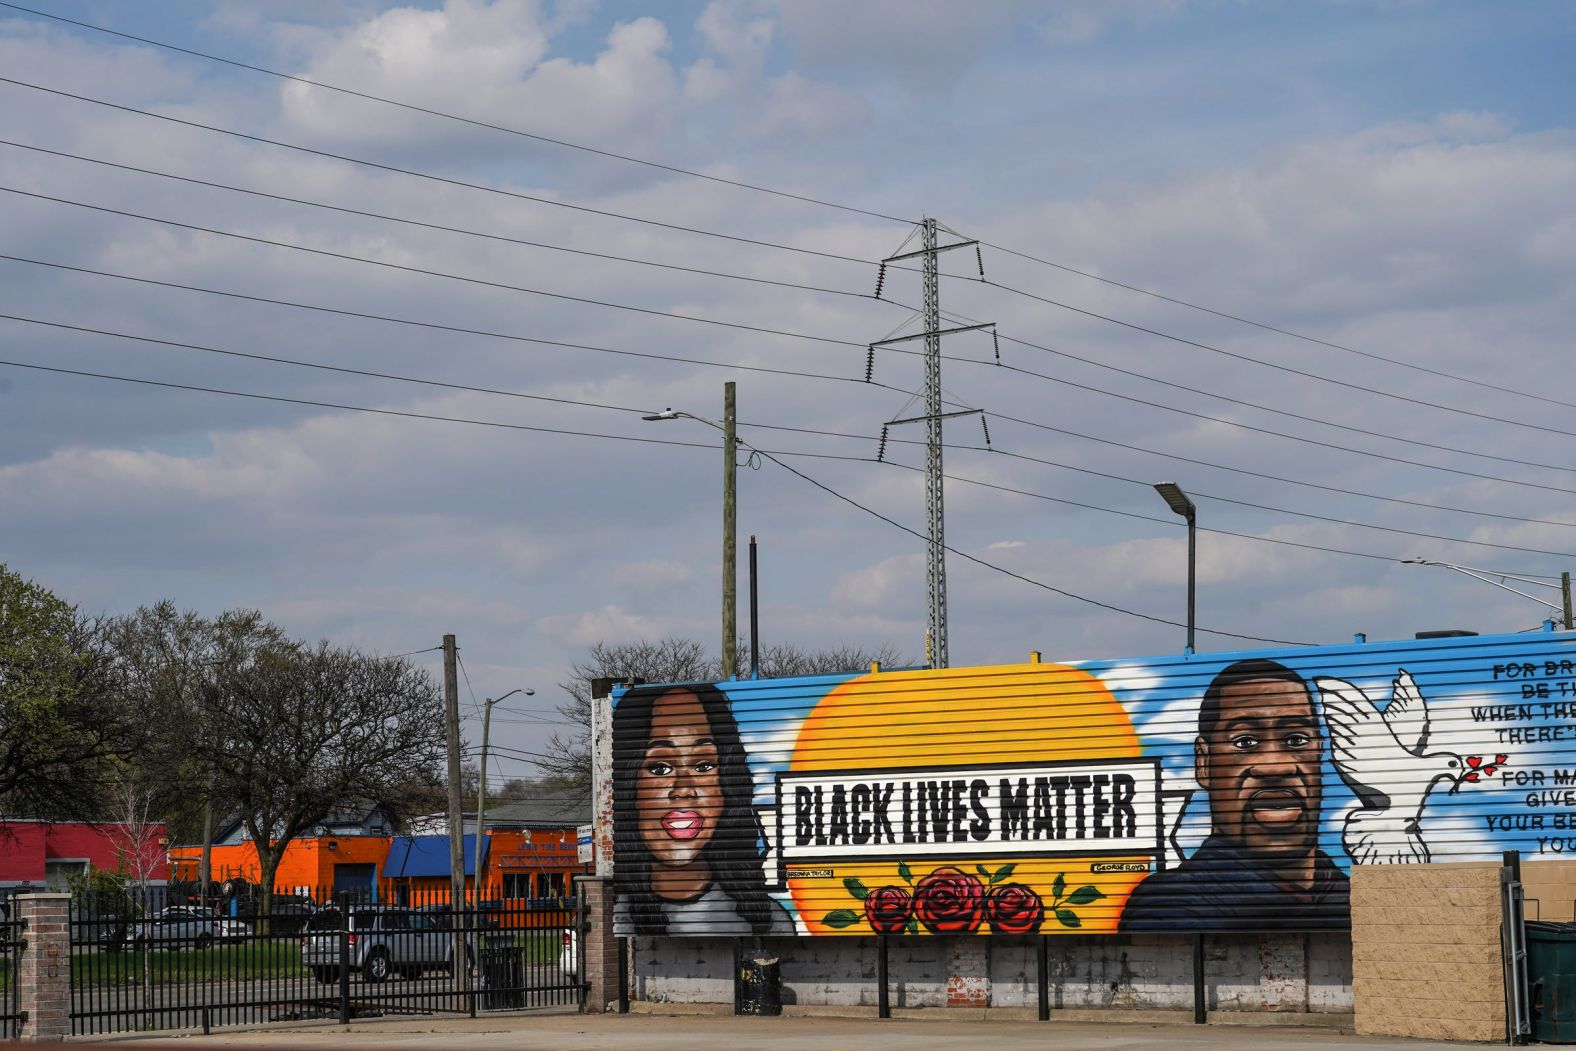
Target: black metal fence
{"x":12,"y":942}
{"x":345,"y":955}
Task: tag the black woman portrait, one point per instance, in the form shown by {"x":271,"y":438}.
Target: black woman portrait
{"x":687,"y":842}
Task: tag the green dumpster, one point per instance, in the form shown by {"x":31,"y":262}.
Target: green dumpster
{"x":1551,"y":977}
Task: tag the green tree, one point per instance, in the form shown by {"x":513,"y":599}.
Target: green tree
{"x":61,"y":718}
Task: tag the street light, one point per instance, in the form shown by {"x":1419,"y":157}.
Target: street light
{"x":1489,"y":576}
{"x":730,"y":589}
{"x":1178,"y":501}
{"x":481,"y":785}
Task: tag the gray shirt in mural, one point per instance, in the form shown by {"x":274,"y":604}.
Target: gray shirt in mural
{"x":711,"y":913}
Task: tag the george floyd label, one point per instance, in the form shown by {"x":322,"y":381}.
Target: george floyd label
{"x":1104,"y":806}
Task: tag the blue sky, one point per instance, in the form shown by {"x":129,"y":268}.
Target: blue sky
{"x":1391,"y":178}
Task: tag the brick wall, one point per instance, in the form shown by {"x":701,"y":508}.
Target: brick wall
{"x":43,"y":970}
{"x":599,"y":949}
{"x":1426,"y":951}
{"x":1551,"y":888}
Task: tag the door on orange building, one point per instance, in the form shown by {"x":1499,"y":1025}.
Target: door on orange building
{"x":356,"y":880}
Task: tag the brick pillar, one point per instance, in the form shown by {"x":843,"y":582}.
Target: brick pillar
{"x":599,"y":946}
{"x":43,"y":969}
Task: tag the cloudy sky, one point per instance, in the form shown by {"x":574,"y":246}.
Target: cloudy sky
{"x":1314,"y":262}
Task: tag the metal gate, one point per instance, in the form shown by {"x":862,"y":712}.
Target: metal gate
{"x":239,"y":963}
{"x":12,"y":945}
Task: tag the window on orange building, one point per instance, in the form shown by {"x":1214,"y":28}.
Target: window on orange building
{"x":517,"y":884}
{"x":550,"y":885}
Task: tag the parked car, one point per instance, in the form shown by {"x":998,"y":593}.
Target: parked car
{"x":384,"y":941}
{"x":569,"y":955}
{"x":173,"y":932}
{"x":225,"y":928}
{"x":285,"y":915}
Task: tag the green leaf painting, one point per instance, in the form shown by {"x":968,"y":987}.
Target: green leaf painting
{"x":1084,"y":895}
{"x":856,"y":888}
{"x":840,"y":918}
{"x":1068,"y":918}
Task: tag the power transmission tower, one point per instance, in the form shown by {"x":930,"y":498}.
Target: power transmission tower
{"x":936,"y":573}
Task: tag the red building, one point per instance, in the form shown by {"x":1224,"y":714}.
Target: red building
{"x":42,"y":853}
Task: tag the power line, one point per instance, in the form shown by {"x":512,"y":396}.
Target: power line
{"x":831,"y":340}
{"x":517,"y":195}
{"x":1007,"y":572}
{"x":275,"y":359}
{"x":456,"y":117}
{"x":436,"y":326}
{"x":1254,"y":405}
{"x":802,"y":374}
{"x":994,"y":448}
{"x":404,"y":268}
{"x":822,"y":339}
{"x":536,"y":136}
{"x":861,"y":437}
{"x":1248,"y":358}
{"x":421,"y":224}
{"x":652,"y":441}
{"x":1268,"y":327}
{"x":859,"y":459}
{"x":417,"y":174}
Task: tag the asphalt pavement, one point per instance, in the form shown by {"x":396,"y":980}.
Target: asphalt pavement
{"x":538,"y":1031}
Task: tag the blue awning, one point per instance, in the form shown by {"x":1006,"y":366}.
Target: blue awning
{"x":417,"y":856}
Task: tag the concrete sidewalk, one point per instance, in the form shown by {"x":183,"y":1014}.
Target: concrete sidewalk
{"x":652,"y":1032}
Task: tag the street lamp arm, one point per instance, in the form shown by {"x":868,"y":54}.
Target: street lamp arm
{"x":1500,"y":583}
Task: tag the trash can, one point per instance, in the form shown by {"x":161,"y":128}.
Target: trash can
{"x":1551,"y":976}
{"x":503,"y":977}
{"x":761,"y":983}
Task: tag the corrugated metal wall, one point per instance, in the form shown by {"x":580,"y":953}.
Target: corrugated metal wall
{"x":1219,"y":792}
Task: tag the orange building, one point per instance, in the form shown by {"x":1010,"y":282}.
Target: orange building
{"x":524,"y":867}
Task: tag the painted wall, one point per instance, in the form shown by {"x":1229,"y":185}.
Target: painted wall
{"x":1220,"y":792}
{"x":26,"y":847}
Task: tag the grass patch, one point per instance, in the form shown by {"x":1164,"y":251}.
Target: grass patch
{"x":241,"y":960}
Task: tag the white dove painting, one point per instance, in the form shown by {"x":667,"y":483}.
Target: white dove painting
{"x":1383,"y":756}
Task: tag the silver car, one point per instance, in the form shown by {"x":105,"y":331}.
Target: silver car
{"x":384,"y":941}
{"x":173,"y":930}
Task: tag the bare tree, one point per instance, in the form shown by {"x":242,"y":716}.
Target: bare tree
{"x":567,"y":766}
{"x":135,"y":834}
{"x":291,"y":733}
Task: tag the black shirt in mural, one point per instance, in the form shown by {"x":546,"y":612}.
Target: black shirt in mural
{"x":1221,"y":888}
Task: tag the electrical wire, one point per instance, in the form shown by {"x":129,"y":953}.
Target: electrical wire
{"x":1239,"y":319}
{"x":858,"y":459}
{"x":446,"y":180}
{"x":1007,"y":572}
{"x":843,"y":434}
{"x":1092,"y":314}
{"x":1027,"y":343}
{"x":536,"y":136}
{"x":1249,"y":359}
{"x":436,"y":326}
{"x":456,"y":117}
{"x":404,"y":268}
{"x":421,"y":224}
{"x":653,"y":441}
{"x":994,"y":448}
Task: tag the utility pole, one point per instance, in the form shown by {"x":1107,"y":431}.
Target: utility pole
{"x":730,"y":539}
{"x":1565,"y":590}
{"x":481,"y":782}
{"x":451,"y":718}
{"x":935,"y":517}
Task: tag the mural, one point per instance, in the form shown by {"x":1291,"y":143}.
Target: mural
{"x":1220,"y":792}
